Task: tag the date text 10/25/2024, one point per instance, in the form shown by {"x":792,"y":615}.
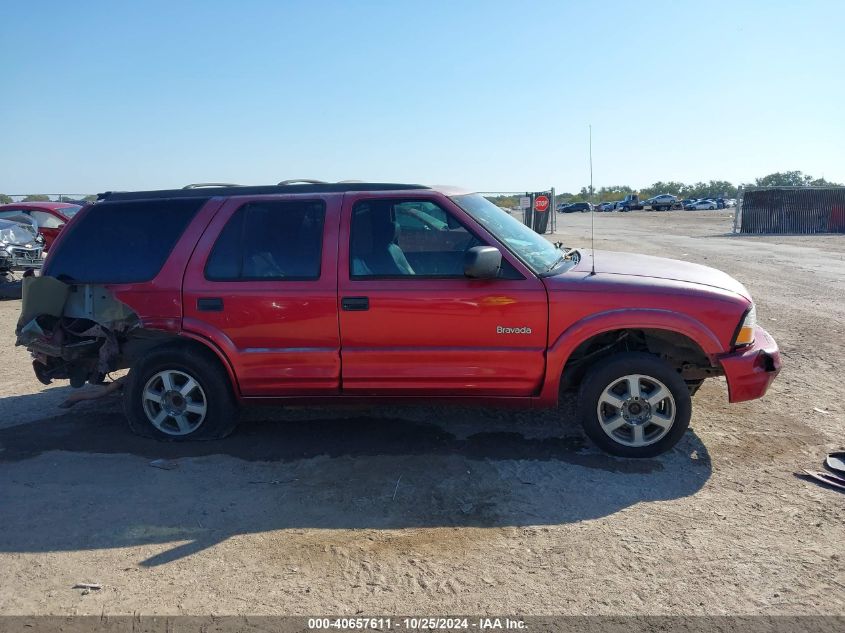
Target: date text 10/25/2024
{"x":411,"y":623}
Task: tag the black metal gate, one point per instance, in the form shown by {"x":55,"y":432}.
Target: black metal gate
{"x":791,"y":210}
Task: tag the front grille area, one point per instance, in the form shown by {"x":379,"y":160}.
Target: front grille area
{"x":26,"y":253}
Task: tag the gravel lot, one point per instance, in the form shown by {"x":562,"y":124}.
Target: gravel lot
{"x":446,"y":511}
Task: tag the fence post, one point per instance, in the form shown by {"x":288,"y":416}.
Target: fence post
{"x":738,"y":212}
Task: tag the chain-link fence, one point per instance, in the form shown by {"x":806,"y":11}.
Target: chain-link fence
{"x":791,"y":210}
{"x":542,"y":218}
{"x":73,"y":198}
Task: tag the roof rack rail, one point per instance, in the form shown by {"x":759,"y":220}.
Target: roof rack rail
{"x":302,"y":181}
{"x":201,"y":185}
{"x":211,"y":190}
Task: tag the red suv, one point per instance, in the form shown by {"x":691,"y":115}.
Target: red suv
{"x":363,"y":292}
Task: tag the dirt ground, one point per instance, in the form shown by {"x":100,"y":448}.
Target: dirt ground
{"x":446,"y":511}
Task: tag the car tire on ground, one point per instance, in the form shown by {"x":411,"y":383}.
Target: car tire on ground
{"x":634,"y":404}
{"x":173,"y":394}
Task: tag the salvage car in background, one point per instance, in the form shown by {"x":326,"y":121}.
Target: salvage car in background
{"x":663,"y":202}
{"x":577,"y":207}
{"x":703,"y":204}
{"x":51,"y":217}
{"x":20,"y":250}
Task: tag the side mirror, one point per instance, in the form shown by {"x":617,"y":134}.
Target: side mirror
{"x":482,"y":262}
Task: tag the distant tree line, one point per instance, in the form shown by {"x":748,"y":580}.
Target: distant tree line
{"x":712,"y":189}
{"x":38,"y":197}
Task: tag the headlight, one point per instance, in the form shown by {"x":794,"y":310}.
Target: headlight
{"x":745,"y":334}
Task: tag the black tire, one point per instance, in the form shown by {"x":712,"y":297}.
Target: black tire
{"x":608,"y":370}
{"x":221,"y":409}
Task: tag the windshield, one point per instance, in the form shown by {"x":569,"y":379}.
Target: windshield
{"x":69,"y":211}
{"x":534,"y":250}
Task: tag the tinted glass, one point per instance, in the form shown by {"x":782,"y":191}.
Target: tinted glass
{"x":403,"y":238}
{"x":278,"y":240}
{"x":121,"y":242}
{"x":46,"y":220}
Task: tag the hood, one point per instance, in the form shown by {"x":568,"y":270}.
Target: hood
{"x":635,"y":265}
{"x":16,"y":234}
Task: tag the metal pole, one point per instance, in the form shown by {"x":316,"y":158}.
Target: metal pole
{"x":738,"y":212}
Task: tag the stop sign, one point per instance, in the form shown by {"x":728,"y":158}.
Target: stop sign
{"x":541,"y":203}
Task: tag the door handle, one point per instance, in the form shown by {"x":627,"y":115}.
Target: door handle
{"x":355,"y":304}
{"x":210,"y":304}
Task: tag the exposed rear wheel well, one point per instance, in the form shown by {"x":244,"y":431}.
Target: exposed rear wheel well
{"x":680,"y":351}
{"x":144,"y":342}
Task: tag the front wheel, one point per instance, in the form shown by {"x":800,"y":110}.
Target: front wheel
{"x":634,"y":404}
{"x":179,"y":395}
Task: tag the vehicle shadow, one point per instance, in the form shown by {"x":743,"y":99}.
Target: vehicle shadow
{"x":81,"y":481}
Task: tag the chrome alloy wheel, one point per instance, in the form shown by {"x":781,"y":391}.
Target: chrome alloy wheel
{"x":174,"y":402}
{"x":636,"y":410}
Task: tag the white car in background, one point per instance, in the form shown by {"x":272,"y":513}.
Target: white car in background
{"x":702,"y":204}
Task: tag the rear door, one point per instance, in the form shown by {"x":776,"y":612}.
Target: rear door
{"x":412,"y":323}
{"x":262,"y":285}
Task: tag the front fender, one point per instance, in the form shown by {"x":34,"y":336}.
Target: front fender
{"x":640,"y":319}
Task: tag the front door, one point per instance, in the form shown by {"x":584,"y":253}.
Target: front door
{"x":412,"y":324}
{"x":262,"y":285}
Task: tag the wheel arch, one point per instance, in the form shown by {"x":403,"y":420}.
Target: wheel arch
{"x":182,"y":341}
{"x":678,"y":331}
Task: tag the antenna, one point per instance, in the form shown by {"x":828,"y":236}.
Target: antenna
{"x":592,"y":209}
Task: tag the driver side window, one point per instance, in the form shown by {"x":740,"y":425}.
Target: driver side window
{"x":403,"y":238}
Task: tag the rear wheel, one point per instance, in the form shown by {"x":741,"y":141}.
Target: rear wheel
{"x":634,"y":405}
{"x":176,"y":395}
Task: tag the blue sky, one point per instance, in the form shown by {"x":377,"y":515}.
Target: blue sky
{"x":488,"y":95}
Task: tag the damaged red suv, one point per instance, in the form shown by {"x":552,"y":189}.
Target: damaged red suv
{"x":322,"y":293}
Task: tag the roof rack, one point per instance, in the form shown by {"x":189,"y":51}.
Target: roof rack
{"x":301,"y":181}
{"x":211,"y":190}
{"x":202,"y":185}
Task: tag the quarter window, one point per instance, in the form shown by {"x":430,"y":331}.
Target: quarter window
{"x":278,"y":240}
{"x":122,"y":242}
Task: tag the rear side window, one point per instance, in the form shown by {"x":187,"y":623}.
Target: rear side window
{"x":122,"y":242}
{"x":46,"y":220}
{"x":276,"y":240}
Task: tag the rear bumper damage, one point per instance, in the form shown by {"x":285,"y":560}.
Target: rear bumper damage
{"x":751,"y":370}
{"x":73,"y":332}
